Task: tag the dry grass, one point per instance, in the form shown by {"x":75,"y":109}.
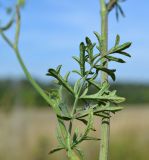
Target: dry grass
{"x":30,"y":134}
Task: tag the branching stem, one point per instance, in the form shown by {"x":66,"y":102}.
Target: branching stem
{"x":111,"y":5}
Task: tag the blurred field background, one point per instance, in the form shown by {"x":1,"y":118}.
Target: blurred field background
{"x":28,"y":126}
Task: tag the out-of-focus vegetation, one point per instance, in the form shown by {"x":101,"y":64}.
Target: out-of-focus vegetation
{"x":20,"y":93}
{"x":31,"y":134}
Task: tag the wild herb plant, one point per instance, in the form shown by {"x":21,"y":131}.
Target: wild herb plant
{"x":93,"y":59}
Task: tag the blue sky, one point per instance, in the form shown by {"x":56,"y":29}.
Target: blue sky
{"x":52,"y":30}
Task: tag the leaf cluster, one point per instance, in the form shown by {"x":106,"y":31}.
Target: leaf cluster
{"x":101,"y":103}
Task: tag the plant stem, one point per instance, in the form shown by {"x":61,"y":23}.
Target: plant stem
{"x":74,"y":106}
{"x":34,"y":84}
{"x":72,"y":156}
{"x":15,"y":48}
{"x":105,"y":125}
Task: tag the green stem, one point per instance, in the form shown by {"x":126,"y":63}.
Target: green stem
{"x":33,"y":82}
{"x":84,"y":80}
{"x":105,"y":125}
{"x":72,"y":155}
{"x":14,"y":46}
{"x":74,"y":106}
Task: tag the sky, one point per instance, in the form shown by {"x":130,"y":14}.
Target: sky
{"x":52,"y":31}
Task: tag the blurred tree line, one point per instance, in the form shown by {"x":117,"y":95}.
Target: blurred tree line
{"x":15,"y":93}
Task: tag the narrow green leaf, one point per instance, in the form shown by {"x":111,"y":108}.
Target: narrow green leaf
{"x":110,"y":72}
{"x":88,"y":42}
{"x":60,"y":138}
{"x":96,"y":56}
{"x":95,"y":84}
{"x":109,"y":98}
{"x":84,"y":121}
{"x":56,"y":150}
{"x":117,"y":41}
{"x":55,"y":74}
{"x":125,"y":54}
{"x":58,"y":69}
{"x":80,"y":153}
{"x":65,"y":118}
{"x":75,"y":136}
{"x":99,"y":40}
{"x":89,"y":49}
{"x":98,"y":110}
{"x":119,"y":60}
{"x":8,"y":25}
{"x":116,"y":13}
{"x":99,"y":49}
{"x":89,"y":124}
{"x":63,"y":129}
{"x":82,"y":58}
{"x":77,"y":72}
{"x":92,"y":138}
{"x":77,"y":86}
{"x":115,"y":109}
{"x":98,"y":37}
{"x":70,"y":127}
{"x":76,"y":59}
{"x":102,"y":114}
{"x":66,"y":76}
{"x":104,"y":88}
{"x":85,"y":92}
{"x":121,"y":10}
{"x":109,"y":109}
{"x":68,"y":142}
{"x":120,"y":48}
{"x":123,"y":46}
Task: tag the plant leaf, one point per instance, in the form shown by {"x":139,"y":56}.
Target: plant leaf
{"x":121,"y":10}
{"x":99,"y":40}
{"x":77,"y":86}
{"x":92,"y":138}
{"x":80,"y":153}
{"x":75,"y":136}
{"x":8,"y":25}
{"x":119,"y":60}
{"x":82,"y":59}
{"x":84,"y":121}
{"x":58,"y":69}
{"x":56,"y":150}
{"x":117,"y":41}
{"x":125,"y":54}
{"x":77,"y":72}
{"x":111,"y":97}
{"x":85,"y":92}
{"x":120,"y":48}
{"x":76,"y":59}
{"x":110,"y":72}
{"x":55,"y":74}
{"x":90,"y":123}
{"x":66,"y":76}
{"x":89,"y":49}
